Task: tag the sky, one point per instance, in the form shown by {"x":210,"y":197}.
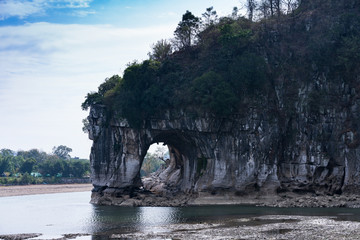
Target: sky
{"x":52,"y":53}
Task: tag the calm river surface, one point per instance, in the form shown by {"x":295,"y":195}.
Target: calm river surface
{"x":56,"y":214}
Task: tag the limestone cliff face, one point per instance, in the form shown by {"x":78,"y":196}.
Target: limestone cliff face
{"x":267,"y":148}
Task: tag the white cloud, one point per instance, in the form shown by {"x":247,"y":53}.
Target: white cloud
{"x":78,"y":3}
{"x":25,"y":8}
{"x":46,"y":71}
{"x":70,"y":3}
{"x":83,"y":13}
{"x":21,"y":9}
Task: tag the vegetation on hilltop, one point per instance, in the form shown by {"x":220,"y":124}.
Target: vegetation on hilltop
{"x":223,"y":65}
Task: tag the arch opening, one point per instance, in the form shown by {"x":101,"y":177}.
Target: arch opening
{"x":155,"y":159}
{"x":173,"y":174}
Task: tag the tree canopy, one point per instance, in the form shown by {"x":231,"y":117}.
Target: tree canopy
{"x":62,"y":151}
{"x":160,"y":50}
{"x":185,"y":33}
{"x":223,"y":65}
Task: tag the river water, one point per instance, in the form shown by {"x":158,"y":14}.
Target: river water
{"x":53,"y":215}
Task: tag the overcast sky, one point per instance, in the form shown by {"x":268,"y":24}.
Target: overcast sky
{"x":52,"y":53}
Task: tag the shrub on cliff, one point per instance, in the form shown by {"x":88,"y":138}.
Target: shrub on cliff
{"x":104,"y":90}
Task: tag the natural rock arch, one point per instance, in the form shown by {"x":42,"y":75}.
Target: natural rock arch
{"x":178,"y":176}
{"x":255,"y":153}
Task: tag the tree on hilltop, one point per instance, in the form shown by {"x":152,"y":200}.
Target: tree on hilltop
{"x":160,"y":50}
{"x":186,"y":30}
{"x":209,"y":17}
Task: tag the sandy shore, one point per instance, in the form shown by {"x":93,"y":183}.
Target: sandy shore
{"x":7,"y":191}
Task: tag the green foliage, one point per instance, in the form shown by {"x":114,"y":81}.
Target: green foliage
{"x":26,"y":178}
{"x":214,"y":94}
{"x":5,"y":164}
{"x":6,"y":152}
{"x":347,"y":32}
{"x":148,"y":88}
{"x":33,"y":153}
{"x":153,"y":161}
{"x":109,"y":84}
{"x":69,"y":168}
{"x":160,"y":50}
{"x":27,"y":166}
{"x":20,"y":165}
{"x":186,"y":30}
{"x":52,"y":168}
{"x":62,"y":151}
{"x":336,"y":49}
{"x":140,"y":82}
{"x":247,"y":74}
{"x":234,"y":35}
{"x":91,"y":98}
{"x":79,"y":168}
{"x":209,"y":17}
{"x":234,"y":62}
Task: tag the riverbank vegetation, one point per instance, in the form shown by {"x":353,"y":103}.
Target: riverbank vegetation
{"x":37,"y":167}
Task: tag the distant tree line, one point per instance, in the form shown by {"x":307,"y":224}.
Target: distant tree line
{"x":36,"y":163}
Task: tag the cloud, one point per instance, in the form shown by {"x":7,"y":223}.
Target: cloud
{"x":21,"y":9}
{"x":70,"y":3}
{"x":82,"y":13}
{"x":26,"y":8}
{"x":46,"y":71}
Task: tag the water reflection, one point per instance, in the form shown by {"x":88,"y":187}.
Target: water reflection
{"x":49,"y":214}
{"x":158,"y":215}
{"x":125,"y":219}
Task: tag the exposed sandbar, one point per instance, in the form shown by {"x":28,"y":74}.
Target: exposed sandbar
{"x":7,"y":191}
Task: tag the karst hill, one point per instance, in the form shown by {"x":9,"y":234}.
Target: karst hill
{"x":246,"y":107}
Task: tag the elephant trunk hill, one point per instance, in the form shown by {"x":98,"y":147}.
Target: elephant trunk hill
{"x":253,"y":111}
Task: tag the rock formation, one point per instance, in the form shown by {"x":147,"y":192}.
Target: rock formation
{"x":302,"y":136}
{"x":257,"y":152}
